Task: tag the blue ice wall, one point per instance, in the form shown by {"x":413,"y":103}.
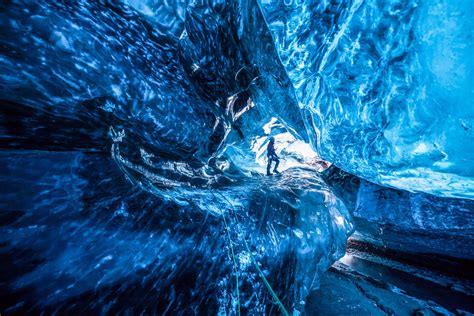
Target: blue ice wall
{"x":118,"y":193}
{"x":387,"y":87}
{"x":93,"y":66}
{"x":115,"y":196}
{"x":405,"y":221}
{"x":77,"y":236}
{"x":415,"y":222}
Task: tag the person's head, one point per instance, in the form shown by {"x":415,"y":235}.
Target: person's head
{"x":272,"y":139}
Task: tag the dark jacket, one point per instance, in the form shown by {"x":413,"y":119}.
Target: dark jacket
{"x":271,"y":150}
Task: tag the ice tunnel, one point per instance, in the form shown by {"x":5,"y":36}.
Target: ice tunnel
{"x":135,"y":137}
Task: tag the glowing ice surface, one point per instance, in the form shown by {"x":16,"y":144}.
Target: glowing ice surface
{"x":387,"y":87}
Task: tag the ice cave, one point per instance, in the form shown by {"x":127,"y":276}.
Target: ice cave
{"x":136,"y":137}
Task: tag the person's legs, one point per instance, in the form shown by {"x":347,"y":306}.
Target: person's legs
{"x":277,"y":162}
{"x":269,"y":166}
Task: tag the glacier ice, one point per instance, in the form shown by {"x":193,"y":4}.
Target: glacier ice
{"x":120,"y":193}
{"x":415,"y":222}
{"x":133,"y":136}
{"x":77,"y":238}
{"x":406,"y":221}
{"x":386,"y":87}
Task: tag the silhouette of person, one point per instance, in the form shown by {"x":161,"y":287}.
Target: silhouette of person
{"x":272,"y":156}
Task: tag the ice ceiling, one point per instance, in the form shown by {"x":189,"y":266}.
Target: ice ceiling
{"x":133,"y":137}
{"x":382,"y":90}
{"x":386,"y":88}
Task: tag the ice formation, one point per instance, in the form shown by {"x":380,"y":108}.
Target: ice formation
{"x":386,"y":87}
{"x":133,"y":146}
{"x":406,"y":221}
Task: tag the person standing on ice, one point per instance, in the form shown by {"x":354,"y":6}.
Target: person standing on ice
{"x":272,"y":156}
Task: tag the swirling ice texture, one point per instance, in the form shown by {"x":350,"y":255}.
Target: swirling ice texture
{"x":387,"y":87}
{"x":167,"y":17}
{"x":79,"y":238}
{"x":113,"y":118}
{"x":85,"y":62}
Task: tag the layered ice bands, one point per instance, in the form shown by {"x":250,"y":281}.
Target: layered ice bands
{"x":386,"y":87}
{"x":408,"y":222}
